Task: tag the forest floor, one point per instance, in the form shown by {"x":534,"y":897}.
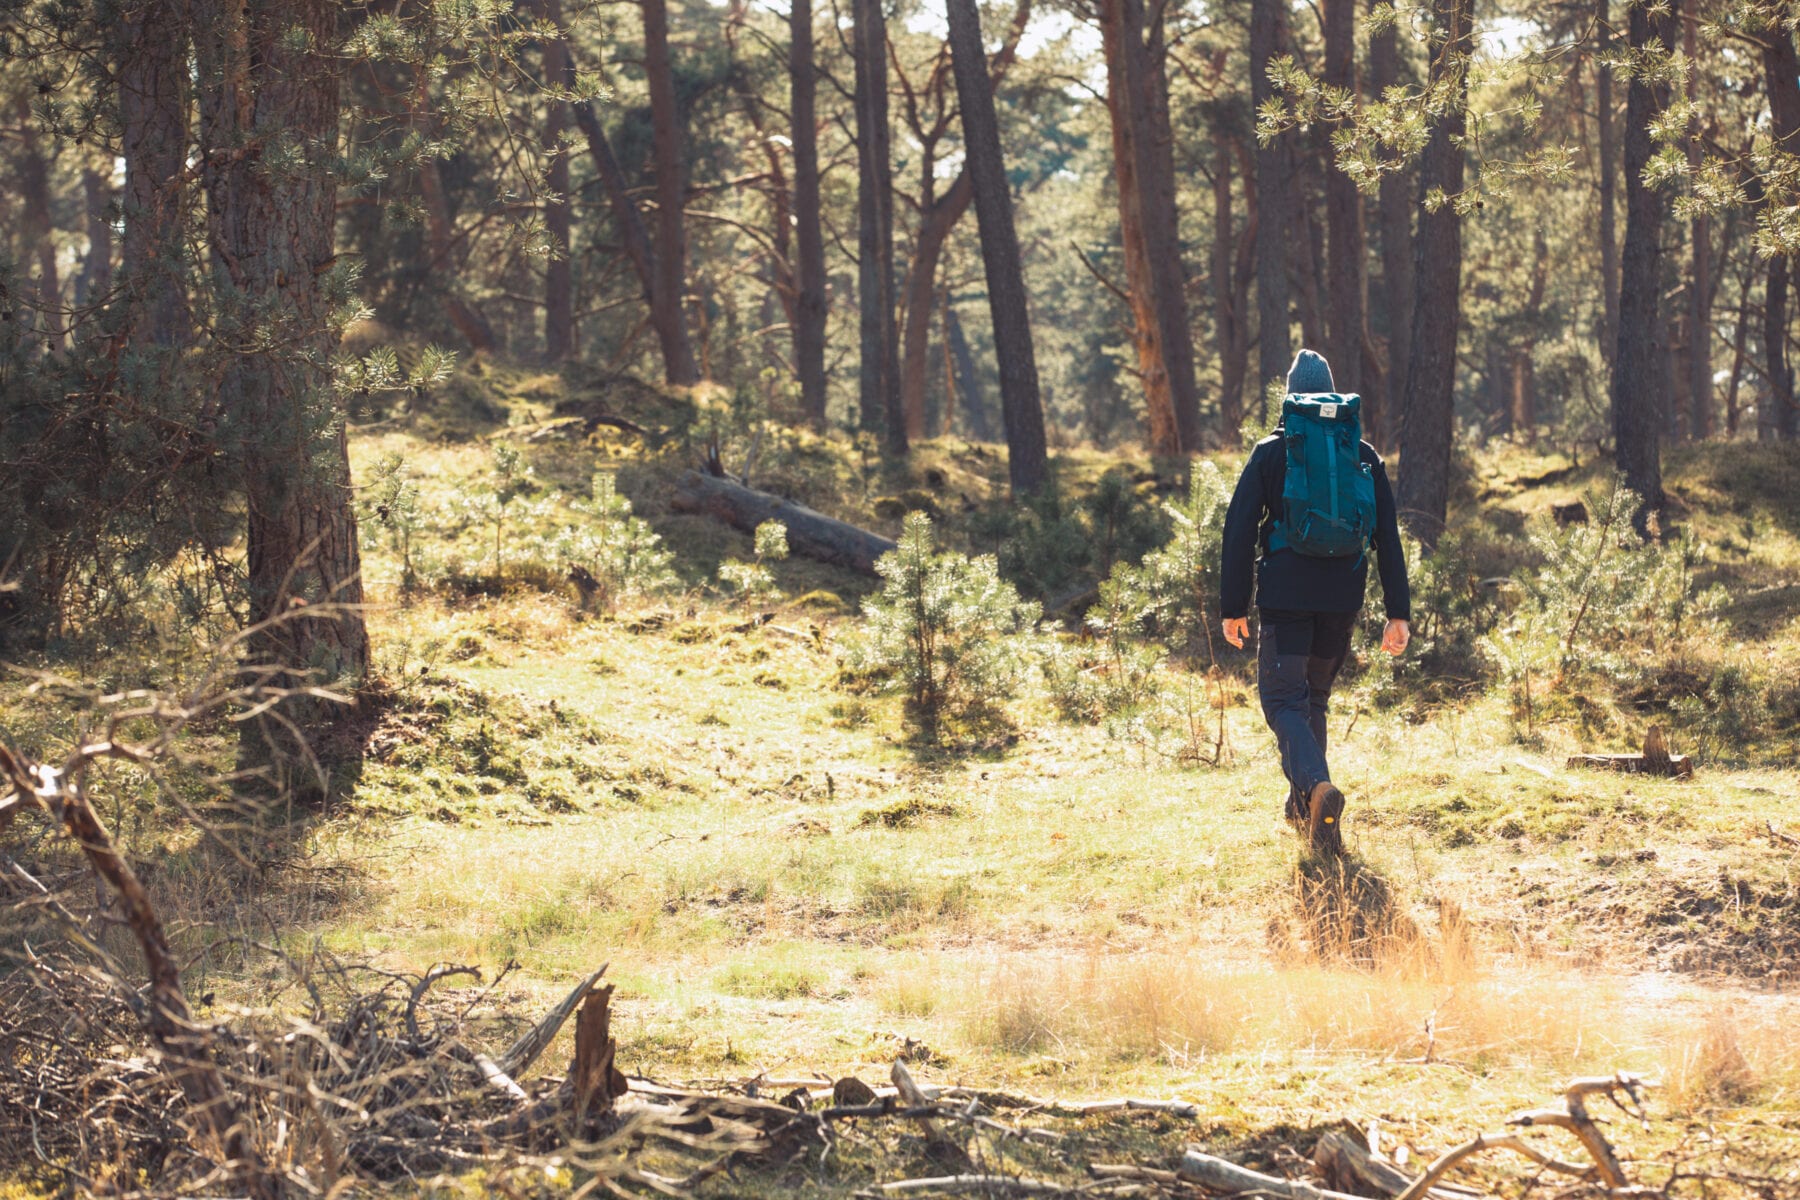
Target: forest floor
{"x":785,"y":882}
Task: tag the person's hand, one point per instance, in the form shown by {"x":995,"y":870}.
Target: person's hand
{"x":1236,"y":630}
{"x":1395,"y":637}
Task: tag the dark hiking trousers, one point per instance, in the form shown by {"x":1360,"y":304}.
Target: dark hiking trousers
{"x":1298,"y":657}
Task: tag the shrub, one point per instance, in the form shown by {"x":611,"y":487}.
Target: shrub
{"x":1051,"y":548}
{"x":620,"y":552}
{"x":943,"y":628}
{"x":1606,"y":606}
{"x":751,"y":580}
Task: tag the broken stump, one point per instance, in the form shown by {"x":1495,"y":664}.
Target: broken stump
{"x":1655,"y":759}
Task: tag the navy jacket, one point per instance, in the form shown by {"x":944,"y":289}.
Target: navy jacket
{"x":1288,"y":580}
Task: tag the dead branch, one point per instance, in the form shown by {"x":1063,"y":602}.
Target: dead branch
{"x":990,"y":1184}
{"x":522,"y":1053}
{"x":1475,"y":1145}
{"x":186,"y":1046}
{"x":1220,"y":1175}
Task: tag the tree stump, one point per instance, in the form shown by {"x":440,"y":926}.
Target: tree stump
{"x":1655,"y":759}
{"x":598,"y":1083}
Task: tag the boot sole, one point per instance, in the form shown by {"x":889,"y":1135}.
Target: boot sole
{"x":1327,"y":818}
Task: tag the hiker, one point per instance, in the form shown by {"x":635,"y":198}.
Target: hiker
{"x":1311,"y":503}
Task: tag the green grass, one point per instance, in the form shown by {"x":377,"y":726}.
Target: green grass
{"x":784,"y":880}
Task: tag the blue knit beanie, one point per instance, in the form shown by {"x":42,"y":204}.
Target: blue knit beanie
{"x":1309,"y":374}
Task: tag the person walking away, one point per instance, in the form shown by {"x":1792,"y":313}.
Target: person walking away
{"x":1313,"y":500}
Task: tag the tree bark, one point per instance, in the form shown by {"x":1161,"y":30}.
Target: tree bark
{"x":1231,"y":325}
{"x":559,"y":279}
{"x":1776,"y":366}
{"x":1638,"y":374}
{"x":1143,"y":169}
{"x":440,"y":238}
{"x":938,"y":218}
{"x":1523,"y":405}
{"x":1346,"y":277}
{"x":1147,"y":333}
{"x":809,"y":237}
{"x":268,"y":79}
{"x":968,"y":381}
{"x":1609,"y":170}
{"x":1021,"y":409}
{"x":1395,"y":296}
{"x":1700,"y":294}
{"x":151,"y":55}
{"x":95,"y":279}
{"x":1781,"y":69}
{"x":1309,"y":263}
{"x":669,"y":295}
{"x":33,"y":187}
{"x":1427,"y":409}
{"x":778,"y":271}
{"x":1143,"y":56}
{"x":921,"y":286}
{"x":878,"y":377}
{"x":1739,"y":352}
{"x":1274,"y":192}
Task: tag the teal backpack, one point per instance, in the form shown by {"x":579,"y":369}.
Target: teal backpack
{"x":1328,"y":501}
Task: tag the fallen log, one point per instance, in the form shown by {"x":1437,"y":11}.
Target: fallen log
{"x":810,"y":534}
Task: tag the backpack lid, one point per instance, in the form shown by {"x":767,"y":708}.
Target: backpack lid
{"x":1323,"y":406}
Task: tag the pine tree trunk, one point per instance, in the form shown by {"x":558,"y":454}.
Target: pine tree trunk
{"x":33,"y":185}
{"x":1274,"y":193}
{"x":1146,"y":327}
{"x":1427,"y":408}
{"x":1524,"y":371}
{"x":268,"y":78}
{"x":1781,"y":69}
{"x":968,"y":380}
{"x":1309,"y":262}
{"x":559,"y":279}
{"x":1700,"y":281}
{"x":440,"y":239}
{"x":1740,"y":340}
{"x":878,"y":376}
{"x":1609,"y":171}
{"x":1347,"y":286}
{"x":95,"y":279}
{"x":669,"y":268}
{"x":809,"y":236}
{"x":921,"y":286}
{"x":1230,"y":326}
{"x":1021,"y":409}
{"x":1638,"y":365}
{"x":1776,"y":366}
{"x":1154,"y":146}
{"x":1144,"y":170}
{"x":1395,"y":296}
{"x":153,"y":87}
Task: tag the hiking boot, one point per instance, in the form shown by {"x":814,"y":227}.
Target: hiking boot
{"x":1325,"y":819}
{"x":1296,"y":814}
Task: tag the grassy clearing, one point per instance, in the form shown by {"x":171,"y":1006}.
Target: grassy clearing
{"x":784,"y":879}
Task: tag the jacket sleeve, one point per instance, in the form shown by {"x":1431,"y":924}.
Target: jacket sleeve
{"x":1237,"y":555}
{"x":1390,"y":556}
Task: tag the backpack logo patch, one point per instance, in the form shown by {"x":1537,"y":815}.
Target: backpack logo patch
{"x":1328,"y":412}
